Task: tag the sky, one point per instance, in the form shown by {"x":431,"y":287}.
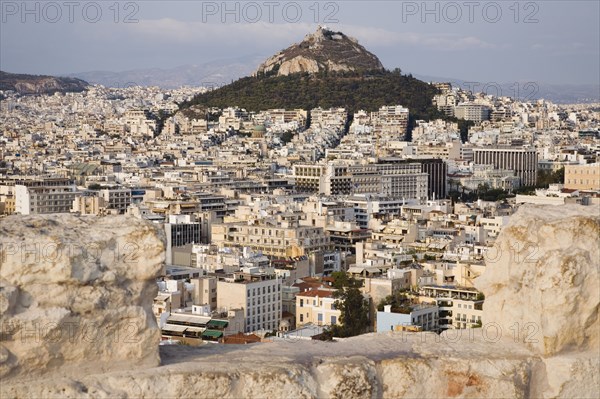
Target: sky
{"x":484,"y":41}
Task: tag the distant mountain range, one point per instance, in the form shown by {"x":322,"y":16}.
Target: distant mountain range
{"x":527,"y":91}
{"x":210,"y":74}
{"x":222,"y":72}
{"x":39,"y":84}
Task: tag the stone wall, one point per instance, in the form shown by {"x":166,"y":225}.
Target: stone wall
{"x":77,"y":292}
{"x":551,"y":352}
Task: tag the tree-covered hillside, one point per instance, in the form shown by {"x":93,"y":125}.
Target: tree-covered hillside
{"x":354,"y":91}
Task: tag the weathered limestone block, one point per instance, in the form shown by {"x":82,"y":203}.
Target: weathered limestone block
{"x":77,"y":292}
{"x":542,"y":280}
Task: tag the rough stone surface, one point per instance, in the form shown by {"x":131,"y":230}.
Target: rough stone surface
{"x":321,"y":51}
{"x":541,"y":282}
{"x":471,"y":363}
{"x":77,"y":292}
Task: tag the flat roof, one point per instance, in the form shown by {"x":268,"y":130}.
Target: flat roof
{"x":174,"y":328}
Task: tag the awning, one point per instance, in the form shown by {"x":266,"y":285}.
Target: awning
{"x":189,"y":319}
{"x":217,"y":324}
{"x":212,"y":334}
{"x":174,"y":328}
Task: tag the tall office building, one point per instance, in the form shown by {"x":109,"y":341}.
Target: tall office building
{"x":435,"y":168}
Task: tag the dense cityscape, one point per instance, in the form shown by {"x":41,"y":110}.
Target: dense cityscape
{"x":322,"y":227}
{"x":290,"y":200}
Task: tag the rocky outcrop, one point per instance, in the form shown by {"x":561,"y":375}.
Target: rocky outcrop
{"x":485,"y":362}
{"x":76,"y":293}
{"x":321,"y":51}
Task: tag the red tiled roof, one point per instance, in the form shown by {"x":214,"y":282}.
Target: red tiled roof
{"x":240,"y":338}
{"x":315,"y":293}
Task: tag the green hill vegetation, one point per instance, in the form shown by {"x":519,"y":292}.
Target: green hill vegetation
{"x":354,"y":91}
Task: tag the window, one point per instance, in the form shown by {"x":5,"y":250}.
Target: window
{"x":301,"y":318}
{"x":333,"y":320}
{"x":320,"y":317}
{"x":301,"y":302}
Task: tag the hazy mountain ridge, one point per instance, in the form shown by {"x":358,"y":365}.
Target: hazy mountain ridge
{"x":211,"y":74}
{"x":527,"y":90}
{"x":40,"y":84}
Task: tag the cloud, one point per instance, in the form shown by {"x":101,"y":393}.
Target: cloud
{"x":264,"y":33}
{"x":376,"y":37}
{"x":171,"y":30}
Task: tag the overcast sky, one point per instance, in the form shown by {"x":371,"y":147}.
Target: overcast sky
{"x":502,"y":41}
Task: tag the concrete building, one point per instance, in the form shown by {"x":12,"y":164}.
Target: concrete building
{"x":180,"y":230}
{"x":521,"y":160}
{"x":583,"y":177}
{"x":118,"y":199}
{"x":394,"y":179}
{"x":472,"y":112}
{"x":288,"y":239}
{"x":258,"y":294}
{"x":459,"y":307}
{"x":43,"y":196}
{"x":436,"y":170}
{"x":317,"y":307}
{"x":423,"y":317}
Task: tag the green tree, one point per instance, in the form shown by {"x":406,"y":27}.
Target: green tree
{"x":354,"y":308}
{"x":400,"y":303}
{"x":354,"y":312}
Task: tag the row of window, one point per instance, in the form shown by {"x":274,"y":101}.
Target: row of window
{"x":574,"y":181}
{"x":265,"y":290}
{"x":314,"y":303}
{"x":266,"y":298}
{"x":333,"y":319}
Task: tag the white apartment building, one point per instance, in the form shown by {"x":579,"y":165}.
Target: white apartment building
{"x":458,"y":307}
{"x":54,"y":195}
{"x":367,"y":207}
{"x":259,"y":295}
{"x":472,"y":112}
